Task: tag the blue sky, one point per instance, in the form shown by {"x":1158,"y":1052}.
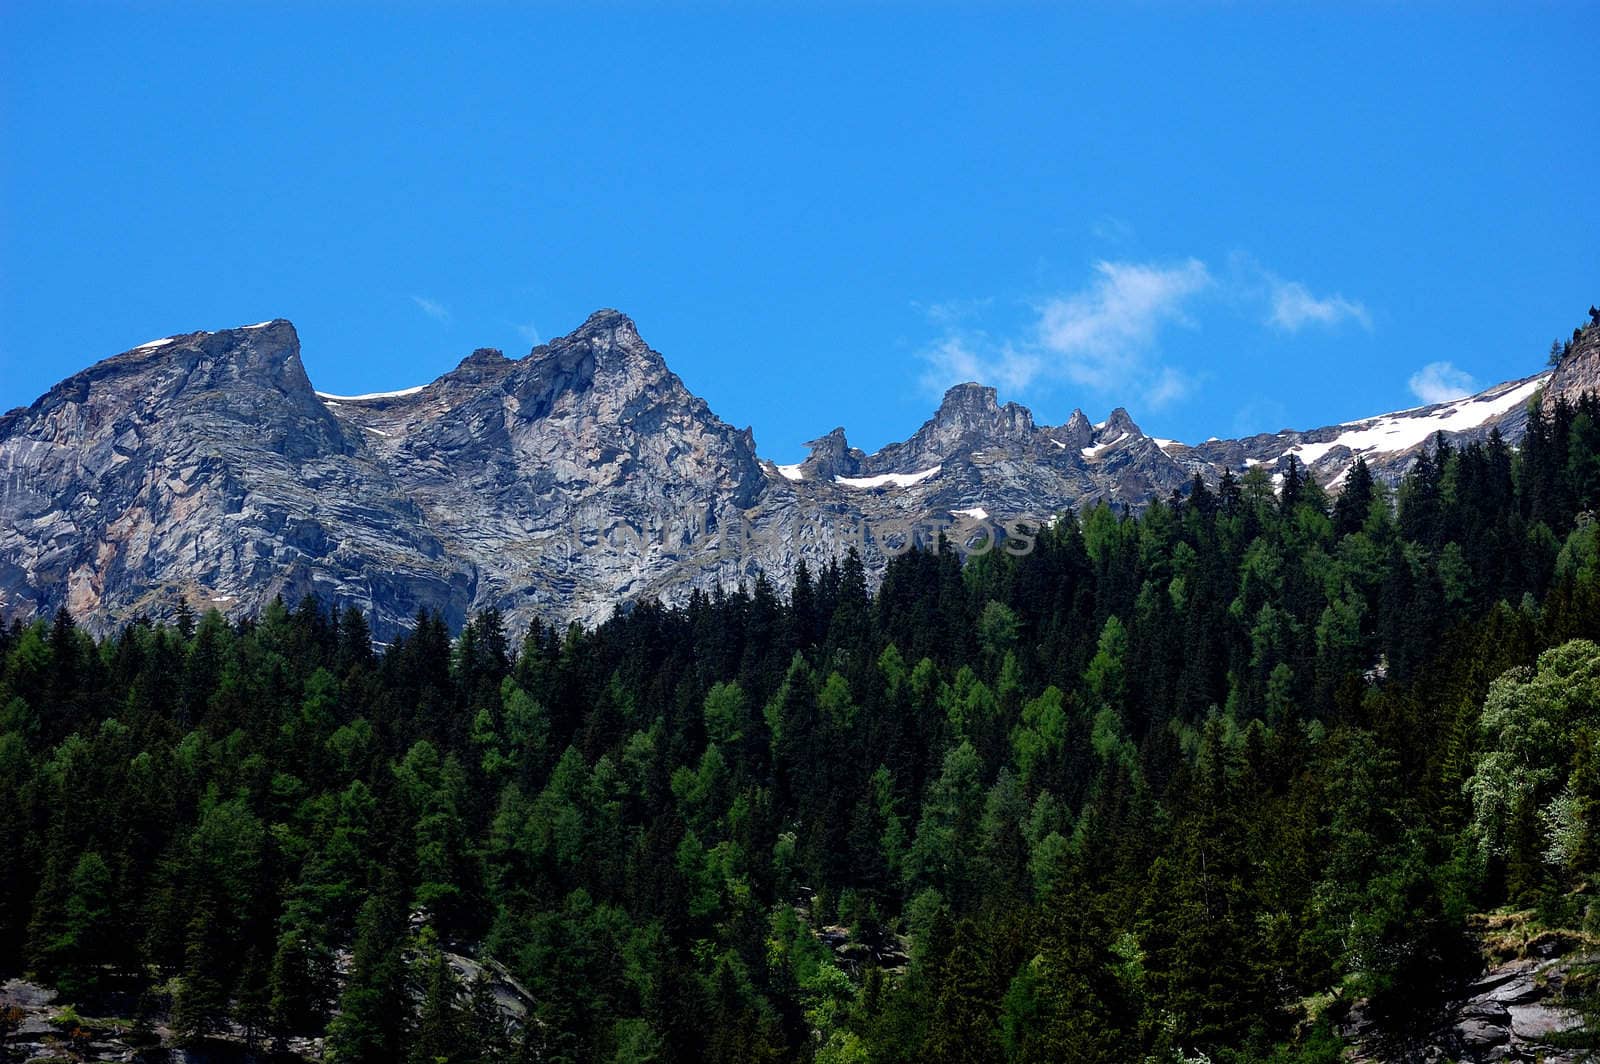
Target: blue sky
{"x":1226,"y":217}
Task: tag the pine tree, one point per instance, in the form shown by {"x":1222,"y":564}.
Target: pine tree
{"x":963,"y":1028}
{"x":1585,"y":786}
{"x":1525,"y":871}
{"x":1293,"y":486}
{"x":374,"y":1010}
{"x":200,"y":1005}
{"x":1355,"y":499}
{"x":440,"y":1030}
{"x":1067,"y":1002}
{"x":487,"y":1035}
{"x":74,"y":954}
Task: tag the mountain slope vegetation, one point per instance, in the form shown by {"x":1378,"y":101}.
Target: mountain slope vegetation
{"x":1191,"y":782}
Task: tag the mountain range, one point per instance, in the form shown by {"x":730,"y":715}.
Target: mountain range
{"x":579,"y":479}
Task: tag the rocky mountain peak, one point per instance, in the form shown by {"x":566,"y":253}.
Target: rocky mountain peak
{"x":483,"y":365}
{"x":832,"y":456}
{"x":1120,"y":423}
{"x":608,"y":333}
{"x":608,"y":323}
{"x":253,"y":372}
{"x":582,"y":477}
{"x":968,"y":396}
{"x":973,"y":407}
{"x":605,"y":353}
{"x":969,"y":418}
{"x":265,"y":354}
{"x":1076,"y":434}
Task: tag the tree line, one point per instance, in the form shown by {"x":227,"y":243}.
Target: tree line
{"x":1181,"y":783}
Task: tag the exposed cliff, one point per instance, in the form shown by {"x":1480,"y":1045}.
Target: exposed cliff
{"x":563,"y":485}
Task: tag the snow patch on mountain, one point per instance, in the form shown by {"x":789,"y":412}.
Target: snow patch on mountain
{"x":371,"y":395}
{"x":1091,"y":453}
{"x":899,"y":480}
{"x":1394,"y":433}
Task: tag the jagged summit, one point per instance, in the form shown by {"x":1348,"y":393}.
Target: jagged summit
{"x":252,"y":376}
{"x":605,"y":352}
{"x":1075,"y":435}
{"x":969,"y":395}
{"x":1120,"y":422}
{"x":580,"y":478}
{"x":484,"y":366}
{"x":604,"y":329}
{"x":974,"y":407}
{"x":485,"y":356}
{"x":273,"y":332}
{"x":831,"y":456}
{"x":605,"y":320}
{"x":968,"y":415}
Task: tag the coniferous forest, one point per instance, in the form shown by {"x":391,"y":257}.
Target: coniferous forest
{"x":1192,"y":784}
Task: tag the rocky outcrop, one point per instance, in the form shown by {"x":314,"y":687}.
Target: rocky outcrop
{"x":569,"y":481}
{"x":204,"y":466}
{"x":831,"y":456}
{"x":1522,"y":1007}
{"x":968,"y":419}
{"x":36,"y":1026}
{"x":574,"y":481}
{"x":1578,"y":372}
{"x":1514,"y":1013}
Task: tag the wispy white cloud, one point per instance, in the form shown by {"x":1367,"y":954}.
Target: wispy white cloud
{"x":1294,"y":307}
{"x":1102,"y":336}
{"x":1440,"y":382}
{"x":959,"y":357}
{"x":432,"y":308}
{"x":528,"y":331}
{"x":1168,"y":387}
{"x":1106,"y":336}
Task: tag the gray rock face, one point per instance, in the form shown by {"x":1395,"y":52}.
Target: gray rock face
{"x":968,"y":419}
{"x":1514,"y":1012}
{"x":577,"y":480}
{"x":1578,"y":371}
{"x":569,"y":481}
{"x":832,"y":456}
{"x":204,"y":466}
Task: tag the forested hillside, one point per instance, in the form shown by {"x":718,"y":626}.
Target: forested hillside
{"x":1188,"y":783}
